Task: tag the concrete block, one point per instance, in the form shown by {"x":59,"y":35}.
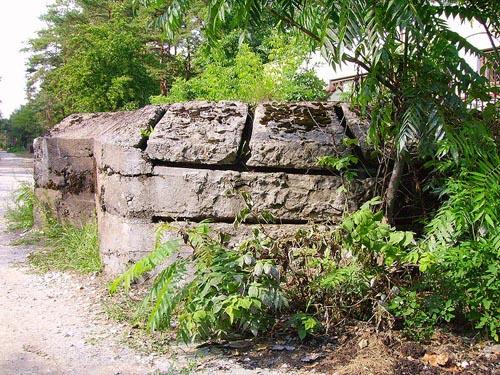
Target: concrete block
{"x":193,"y":194}
{"x":128,"y":161}
{"x":76,"y":209}
{"x":294,"y":135}
{"x":199,"y":132}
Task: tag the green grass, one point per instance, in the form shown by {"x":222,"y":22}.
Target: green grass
{"x":69,"y":248}
{"x":19,"y":214}
{"x":65,"y":247}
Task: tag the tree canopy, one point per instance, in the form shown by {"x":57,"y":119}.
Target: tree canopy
{"x":106,"y":56}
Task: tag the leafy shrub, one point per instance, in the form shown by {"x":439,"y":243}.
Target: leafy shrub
{"x":304,"y":324}
{"x":248,"y":78}
{"x":304,"y":85}
{"x":349,"y":270}
{"x":230,"y":291}
{"x":460,"y":254}
{"x":373,"y":242}
{"x":420,"y":313}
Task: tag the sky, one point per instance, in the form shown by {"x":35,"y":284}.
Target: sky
{"x":18,"y":23}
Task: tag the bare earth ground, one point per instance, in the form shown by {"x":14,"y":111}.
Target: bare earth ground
{"x":55,"y":324}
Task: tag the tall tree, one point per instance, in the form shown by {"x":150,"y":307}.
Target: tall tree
{"x":23,"y":126}
{"x":107,"y":71}
{"x":93,"y":56}
{"x":97,"y":55}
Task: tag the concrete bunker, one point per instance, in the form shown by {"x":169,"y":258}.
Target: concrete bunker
{"x":191,"y":161}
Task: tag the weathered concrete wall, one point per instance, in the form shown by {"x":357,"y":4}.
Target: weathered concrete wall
{"x":65,"y":158}
{"x":191,"y":161}
{"x":65,"y":176}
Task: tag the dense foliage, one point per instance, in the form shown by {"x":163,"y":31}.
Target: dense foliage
{"x":231,"y":290}
{"x":92,"y":56}
{"x":22,"y":127}
{"x":232,"y":72}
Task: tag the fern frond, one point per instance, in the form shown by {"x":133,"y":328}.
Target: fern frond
{"x":146,"y":264}
{"x":341,"y":276}
{"x":168,"y":293}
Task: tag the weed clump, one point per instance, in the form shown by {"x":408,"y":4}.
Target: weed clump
{"x":64,"y":246}
{"x":69,"y":248}
{"x":19,"y":214}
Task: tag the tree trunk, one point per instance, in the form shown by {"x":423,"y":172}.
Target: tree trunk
{"x":392,"y":190}
{"x":188,"y":63}
{"x":163,"y":80}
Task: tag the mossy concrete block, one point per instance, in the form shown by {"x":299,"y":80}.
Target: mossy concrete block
{"x":193,"y":161}
{"x":294,"y":135}
{"x":125,"y":128}
{"x":66,"y":157}
{"x":120,"y":147}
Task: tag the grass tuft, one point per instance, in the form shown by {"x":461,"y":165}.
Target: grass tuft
{"x":19,"y":215}
{"x":65,"y":247}
{"x":69,"y":248}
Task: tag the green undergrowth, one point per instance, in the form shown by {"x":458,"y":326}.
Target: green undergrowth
{"x":19,"y":212}
{"x":305,"y":283}
{"x":62,"y":247}
{"x":324,"y":276}
{"x":69,"y":248}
